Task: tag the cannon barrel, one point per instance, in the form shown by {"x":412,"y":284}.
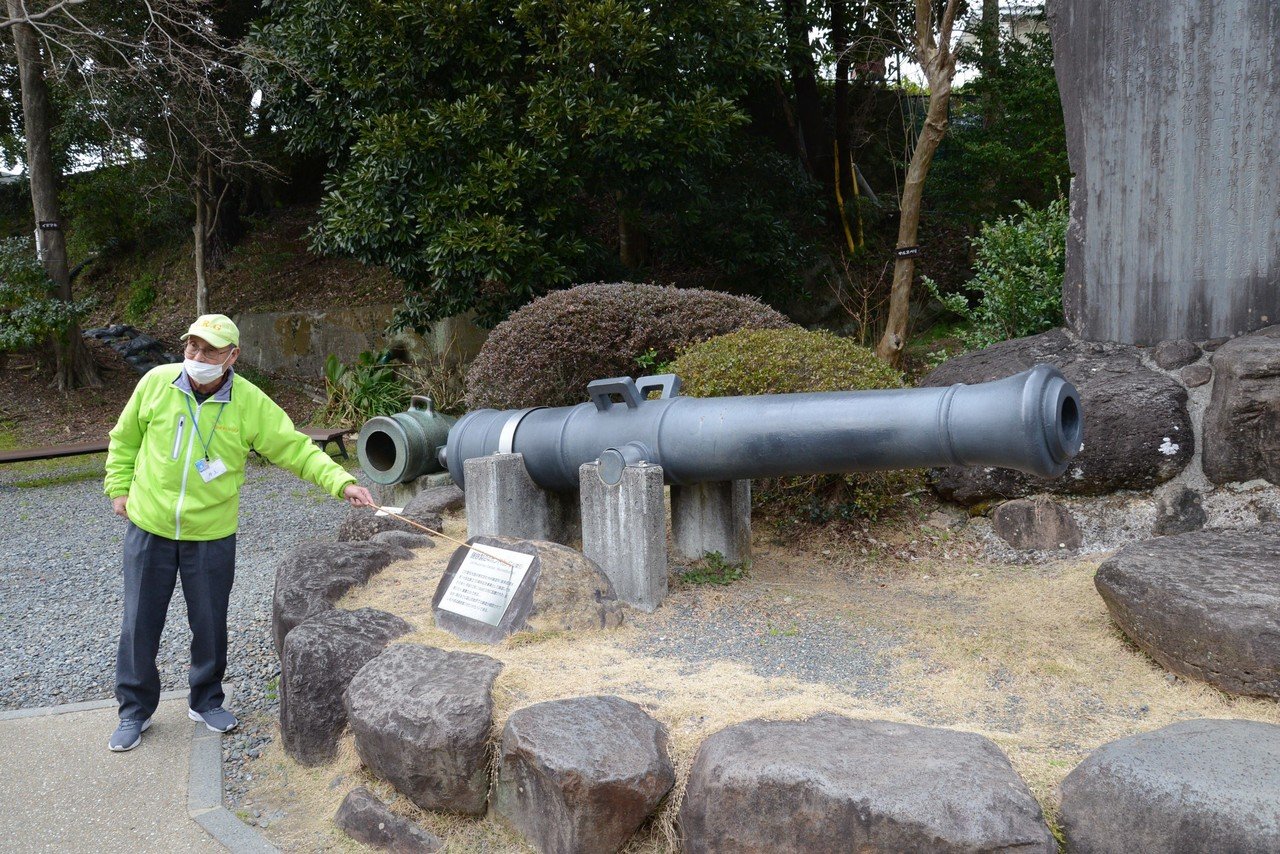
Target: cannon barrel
{"x":1030,"y":422}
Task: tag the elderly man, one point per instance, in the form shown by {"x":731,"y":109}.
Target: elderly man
{"x":174,"y":470}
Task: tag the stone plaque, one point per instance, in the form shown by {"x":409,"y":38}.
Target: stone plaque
{"x":482,"y":599}
{"x":1172,"y":112}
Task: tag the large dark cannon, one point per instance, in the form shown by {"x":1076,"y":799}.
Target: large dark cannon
{"x":1030,"y":422}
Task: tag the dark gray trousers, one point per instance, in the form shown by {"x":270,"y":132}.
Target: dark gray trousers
{"x":152,"y":565}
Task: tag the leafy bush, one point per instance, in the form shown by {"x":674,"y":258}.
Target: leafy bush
{"x":359,"y":392}
{"x":142,"y":296}
{"x":464,"y":140}
{"x":28,"y":314}
{"x":547,"y":352}
{"x":783,"y":361}
{"x":1020,"y":264}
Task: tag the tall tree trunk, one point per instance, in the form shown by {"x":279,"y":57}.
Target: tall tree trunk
{"x":904,"y":269}
{"x":989,"y":57}
{"x":939,"y":64}
{"x":632,"y":246}
{"x":200,"y":230}
{"x":804,"y":80}
{"x":74,"y":365}
{"x":842,"y":176}
{"x":840,"y":46}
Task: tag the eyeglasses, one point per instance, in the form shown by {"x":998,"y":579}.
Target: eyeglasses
{"x":194,"y":351}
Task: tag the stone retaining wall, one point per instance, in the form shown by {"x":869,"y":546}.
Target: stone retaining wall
{"x":298,"y":342}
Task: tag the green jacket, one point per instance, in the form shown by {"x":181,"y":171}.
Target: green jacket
{"x":155,"y":447}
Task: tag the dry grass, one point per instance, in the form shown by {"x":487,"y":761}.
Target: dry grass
{"x":1024,"y":655}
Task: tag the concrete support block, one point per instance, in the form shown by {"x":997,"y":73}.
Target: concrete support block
{"x":624,"y":530}
{"x":502,"y":501}
{"x":712,"y":517}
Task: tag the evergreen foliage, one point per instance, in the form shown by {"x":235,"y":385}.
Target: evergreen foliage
{"x":362,"y":390}
{"x":469,"y":144}
{"x":988,"y":163}
{"x":28,"y":312}
{"x":1019,"y":269}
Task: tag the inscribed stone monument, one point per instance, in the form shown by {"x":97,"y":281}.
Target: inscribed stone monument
{"x":1172,"y":111}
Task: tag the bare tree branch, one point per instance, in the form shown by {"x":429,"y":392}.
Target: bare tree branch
{"x":32,"y":17}
{"x":176,"y":63}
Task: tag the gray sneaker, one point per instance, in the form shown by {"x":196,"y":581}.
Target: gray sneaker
{"x":128,"y":735}
{"x":218,"y":720}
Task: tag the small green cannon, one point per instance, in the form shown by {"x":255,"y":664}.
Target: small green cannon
{"x":398,"y":448}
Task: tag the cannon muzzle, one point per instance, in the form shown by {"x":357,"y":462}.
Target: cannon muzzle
{"x":398,"y":448}
{"x":1030,"y":422}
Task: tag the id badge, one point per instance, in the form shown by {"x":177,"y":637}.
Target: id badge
{"x":209,"y":469}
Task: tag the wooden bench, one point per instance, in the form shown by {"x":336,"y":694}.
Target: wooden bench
{"x":322,"y":436}
{"x":53,"y":452}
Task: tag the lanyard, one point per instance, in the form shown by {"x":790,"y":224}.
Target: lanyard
{"x":195,"y":424}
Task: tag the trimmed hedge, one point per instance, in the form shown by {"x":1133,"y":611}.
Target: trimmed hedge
{"x":784,"y":361}
{"x":546,"y":353}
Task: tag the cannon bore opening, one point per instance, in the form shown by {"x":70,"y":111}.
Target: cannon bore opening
{"x":380,"y":450}
{"x":1069,"y":423}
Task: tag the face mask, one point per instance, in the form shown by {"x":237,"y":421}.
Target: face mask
{"x":203,"y":373}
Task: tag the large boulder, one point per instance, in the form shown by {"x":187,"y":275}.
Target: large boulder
{"x":315,"y":575}
{"x":563,"y":590}
{"x":362,"y":523}
{"x":1171,"y":355}
{"x":581,"y":775}
{"x":404,"y":539}
{"x":1209,"y":786}
{"x":367,"y":819}
{"x":1137,"y":431}
{"x":435,"y":501}
{"x":1242,"y":424}
{"x":833,"y":784}
{"x":1179,"y":512}
{"x":1036,"y":524}
{"x":421,"y":719}
{"x":320,"y":657}
{"x":1205,"y":605}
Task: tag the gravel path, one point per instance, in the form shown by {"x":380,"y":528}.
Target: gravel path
{"x":60,"y":610}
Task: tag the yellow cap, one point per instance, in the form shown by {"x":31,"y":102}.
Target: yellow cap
{"x":217,"y":329}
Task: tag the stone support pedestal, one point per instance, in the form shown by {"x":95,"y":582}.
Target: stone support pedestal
{"x":400,"y":494}
{"x":712,"y":517}
{"x":503,"y":501}
{"x":624,"y":530}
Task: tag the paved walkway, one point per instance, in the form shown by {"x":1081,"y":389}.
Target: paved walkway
{"x":64,"y":791}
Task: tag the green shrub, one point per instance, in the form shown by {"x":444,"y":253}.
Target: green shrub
{"x":1020,"y":264}
{"x":359,"y":392}
{"x":547,"y":352}
{"x":28,"y":314}
{"x":142,"y":296}
{"x":783,"y":361}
